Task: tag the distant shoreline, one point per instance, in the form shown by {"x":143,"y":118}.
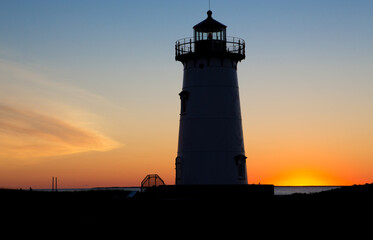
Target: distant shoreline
{"x":279,"y":190}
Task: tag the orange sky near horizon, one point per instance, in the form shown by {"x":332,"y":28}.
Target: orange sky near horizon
{"x":284,"y":159}
{"x":89,"y":93}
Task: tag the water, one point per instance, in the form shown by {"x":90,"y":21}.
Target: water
{"x":303,"y":189}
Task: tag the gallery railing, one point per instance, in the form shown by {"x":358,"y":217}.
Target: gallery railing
{"x":230,"y":45}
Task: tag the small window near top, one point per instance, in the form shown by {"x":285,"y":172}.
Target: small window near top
{"x":184,"y":95}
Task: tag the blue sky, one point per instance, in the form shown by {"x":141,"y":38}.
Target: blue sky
{"x":109,"y":66}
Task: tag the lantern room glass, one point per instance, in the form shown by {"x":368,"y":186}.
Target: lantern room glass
{"x":200,"y":36}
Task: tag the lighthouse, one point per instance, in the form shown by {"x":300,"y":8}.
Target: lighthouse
{"x":211,"y":145}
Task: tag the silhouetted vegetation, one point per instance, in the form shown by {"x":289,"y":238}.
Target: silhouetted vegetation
{"x":111,"y":209}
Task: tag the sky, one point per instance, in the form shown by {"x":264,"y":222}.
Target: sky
{"x":89,"y":89}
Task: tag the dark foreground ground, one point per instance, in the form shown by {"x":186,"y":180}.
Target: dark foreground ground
{"x":338,"y":210}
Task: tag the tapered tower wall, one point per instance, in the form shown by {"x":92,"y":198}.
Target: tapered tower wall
{"x":210,"y":135}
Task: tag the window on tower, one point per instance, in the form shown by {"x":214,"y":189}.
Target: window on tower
{"x":241,"y":164}
{"x":184,"y":95}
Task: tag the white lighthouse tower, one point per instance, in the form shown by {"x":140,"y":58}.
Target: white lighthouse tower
{"x":211,"y":147}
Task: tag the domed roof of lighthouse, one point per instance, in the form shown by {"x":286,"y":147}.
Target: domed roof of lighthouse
{"x":209,"y":25}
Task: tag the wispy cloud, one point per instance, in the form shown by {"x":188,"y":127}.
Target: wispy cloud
{"x":42,"y":116}
{"x":29,"y":134}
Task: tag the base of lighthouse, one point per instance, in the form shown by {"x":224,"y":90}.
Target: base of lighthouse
{"x":215,"y":169}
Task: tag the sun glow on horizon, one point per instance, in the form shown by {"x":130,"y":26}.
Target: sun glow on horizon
{"x":306,"y":178}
